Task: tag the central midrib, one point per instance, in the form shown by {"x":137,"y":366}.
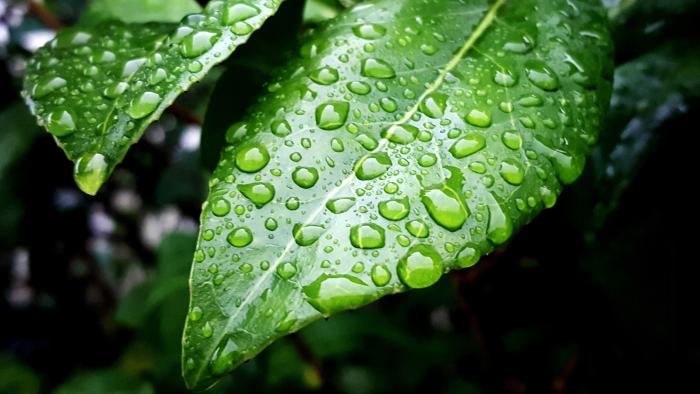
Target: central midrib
{"x":473,"y":38}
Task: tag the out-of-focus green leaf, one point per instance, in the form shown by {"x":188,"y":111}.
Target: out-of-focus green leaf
{"x":17,"y":378}
{"x":649,"y":93}
{"x":317,"y":11}
{"x":139,"y":11}
{"x":114,"y":79}
{"x":104,"y":382}
{"x":409,"y":139}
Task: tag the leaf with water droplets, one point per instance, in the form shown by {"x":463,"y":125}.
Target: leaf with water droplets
{"x":96,"y":88}
{"x":408,"y":139}
{"x":138,"y":11}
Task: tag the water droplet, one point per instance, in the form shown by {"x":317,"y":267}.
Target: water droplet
{"x":241,"y":28}
{"x":420,"y":267}
{"x":541,"y":75}
{"x":394,"y":209}
{"x":144,"y":105}
{"x":271,"y":224}
{"x":286,"y":270}
{"x":359,"y":87}
{"x":292,"y":203}
{"x":427,"y":160}
{"x":238,"y":13}
{"x":340,"y":205}
{"x":429,"y":49}
{"x":372,"y":166}
{"x":324,"y":76}
{"x":512,"y":139}
{"x":500,"y":226}
{"x":367,"y":141}
{"x":305,"y":177}
{"x":281,"y":128}
{"x":252,"y":158}
{"x":60,"y":123}
{"x":512,"y":172}
{"x":400,"y":133}
{"x":240,"y":237}
{"x":445,"y":207}
{"x":198,"y":43}
{"x":195,"y":313}
{"x":225,"y":357}
{"x":307,"y":234}
{"x":377,"y":68}
{"x":337,"y":145}
{"x":505,"y":78}
{"x":115,"y":90}
{"x":418,"y":228}
{"x":258,"y":193}
{"x":468,"y":256}
{"x":369,"y":31}
{"x":334,"y":293}
{"x":381,"y":276}
{"x":434,"y":105}
{"x":479,"y":118}
{"x":367,"y":236}
{"x":220,"y":207}
{"x":47,"y":85}
{"x":90,"y":172}
{"x":467,"y":145}
{"x":332,"y":115}
{"x":388,"y":104}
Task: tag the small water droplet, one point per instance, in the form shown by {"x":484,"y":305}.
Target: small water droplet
{"x":334,"y":293}
{"x":445,"y":207}
{"x":252,"y":158}
{"x":240,"y":237}
{"x":467,"y":145}
{"x":340,"y":205}
{"x":372,"y":166}
{"x":512,"y":172}
{"x":60,"y":123}
{"x":198,"y":43}
{"x":238,"y":13}
{"x":400,"y":133}
{"x":380,"y":274}
{"x":307,"y":234}
{"x":394,"y":209}
{"x":90,"y":172}
{"x":434,"y":105}
{"x":418,"y":228}
{"x":377,"y":68}
{"x":324,"y":76}
{"x":541,"y":75}
{"x":258,"y":193}
{"x":220,"y":207}
{"x":369,"y":31}
{"x":468,"y":256}
{"x":359,"y":87}
{"x":144,"y":105}
{"x":305,"y":177}
{"x":479,"y":117}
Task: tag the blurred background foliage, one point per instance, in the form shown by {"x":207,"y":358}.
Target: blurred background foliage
{"x":589,"y":298}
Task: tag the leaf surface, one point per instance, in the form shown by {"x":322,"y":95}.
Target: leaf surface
{"x":97,"y":88}
{"x":409,"y":138}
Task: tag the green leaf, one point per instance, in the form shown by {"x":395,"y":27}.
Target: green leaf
{"x":410,"y":138}
{"x":97,"y":88}
{"x":106,"y":381}
{"x":139,"y":11}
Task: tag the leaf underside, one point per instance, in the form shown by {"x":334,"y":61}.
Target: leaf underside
{"x":97,"y":88}
{"x":409,"y":138}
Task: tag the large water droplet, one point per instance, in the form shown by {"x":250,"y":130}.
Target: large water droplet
{"x":359,"y":87}
{"x":334,"y":293}
{"x":198,"y":43}
{"x":418,"y":228}
{"x":307,"y":234}
{"x":434,"y":105}
{"x":420,"y":267}
{"x":324,"y":76}
{"x":377,"y":68}
{"x":258,"y":193}
{"x":381,"y":276}
{"x":90,"y":172}
{"x":340,"y":205}
{"x":332,"y":115}
{"x":468,"y":256}
{"x":220,"y":207}
{"x":240,"y":237}
{"x":60,"y":123}
{"x":47,"y":85}
{"x":369,"y":31}
{"x":400,"y":133}
{"x":500,"y":226}
{"x":512,"y":172}
{"x":144,"y":105}
{"x":394,"y":209}
{"x":252,"y":158}
{"x":541,"y":75}
{"x":467,"y":145}
{"x":372,"y":166}
{"x":445,"y":207}
{"x":479,"y":117}
{"x":367,"y":236}
{"x":305,"y":177}
{"x":238,"y":13}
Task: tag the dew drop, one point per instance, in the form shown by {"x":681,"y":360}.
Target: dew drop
{"x":445,"y":207}
{"x":238,"y":13}
{"x":324,"y":76}
{"x":144,"y":105}
{"x":541,"y":75}
{"x":394,"y":209}
{"x":380,"y":274}
{"x":340,"y":205}
{"x":332,"y":115}
{"x":305,"y":177}
{"x":90,"y":172}
{"x":467,"y":145}
{"x":198,"y":43}
{"x":369,"y":31}
{"x":60,"y":123}
{"x":400,"y":133}
{"x":377,"y":68}
{"x":367,"y":236}
{"x":220,"y":207}
{"x":307,"y":234}
{"x":420,"y":267}
{"x":240,"y":237}
{"x":418,"y":228}
{"x":258,"y":193}
{"x":372,"y":166}
{"x":252,"y":158}
{"x":334,"y":293}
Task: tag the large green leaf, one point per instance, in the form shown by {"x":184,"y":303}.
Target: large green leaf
{"x":410,"y":138}
{"x":97,"y":88}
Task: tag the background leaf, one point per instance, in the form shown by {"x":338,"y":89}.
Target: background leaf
{"x":113,"y":79}
{"x":398,"y":147}
{"x":139,"y":11}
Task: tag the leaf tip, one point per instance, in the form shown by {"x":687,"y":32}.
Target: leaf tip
{"x":90,"y":172}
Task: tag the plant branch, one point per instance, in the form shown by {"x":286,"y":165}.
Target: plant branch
{"x":45,"y":16}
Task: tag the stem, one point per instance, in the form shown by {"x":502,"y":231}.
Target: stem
{"x":44,"y":15}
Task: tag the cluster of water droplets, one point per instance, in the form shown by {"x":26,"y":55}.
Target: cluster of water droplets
{"x":96,"y":90}
{"x":364,"y":171}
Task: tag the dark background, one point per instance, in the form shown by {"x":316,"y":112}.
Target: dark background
{"x":596,"y":295}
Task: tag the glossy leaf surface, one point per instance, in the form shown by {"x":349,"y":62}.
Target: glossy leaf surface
{"x":97,"y":88}
{"x":139,"y":11}
{"x":410,"y":138}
